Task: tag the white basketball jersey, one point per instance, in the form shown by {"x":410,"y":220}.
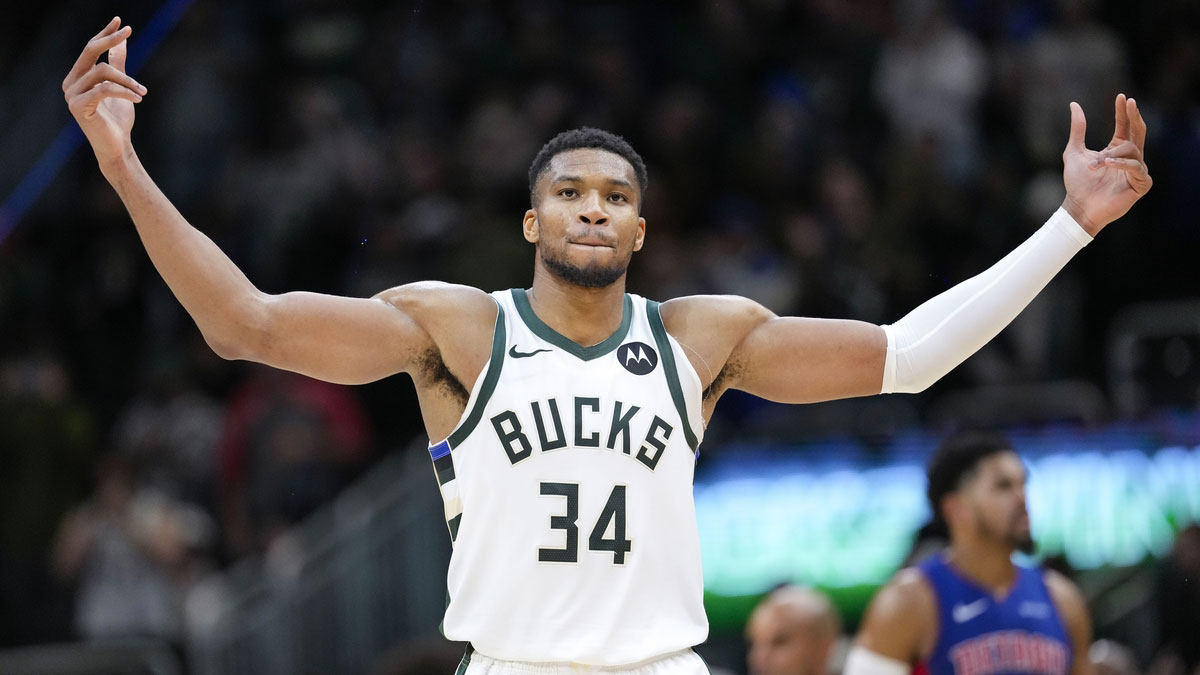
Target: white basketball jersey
{"x":568,"y":493}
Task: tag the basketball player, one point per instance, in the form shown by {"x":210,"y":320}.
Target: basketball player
{"x":970,"y":609}
{"x":565,"y":418}
{"x":793,"y":631}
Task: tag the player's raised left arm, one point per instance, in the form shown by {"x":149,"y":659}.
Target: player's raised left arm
{"x":805,"y":360}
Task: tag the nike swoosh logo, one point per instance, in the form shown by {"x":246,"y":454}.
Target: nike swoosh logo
{"x":964,"y":613}
{"x":512,"y":351}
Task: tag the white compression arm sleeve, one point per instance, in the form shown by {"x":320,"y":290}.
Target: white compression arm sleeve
{"x":940,"y":334}
{"x":863,"y":661}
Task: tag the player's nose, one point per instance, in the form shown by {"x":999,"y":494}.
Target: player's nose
{"x":591,"y":210}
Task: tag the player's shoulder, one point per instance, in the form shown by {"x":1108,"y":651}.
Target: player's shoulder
{"x":704,"y":312}
{"x":907,"y":592}
{"x":1072,"y":610}
{"x":1067,"y":597}
{"x":433,"y":299}
{"x":457,"y":324}
{"x":901,"y":620}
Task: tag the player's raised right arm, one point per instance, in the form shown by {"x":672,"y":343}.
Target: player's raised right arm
{"x":339,"y":339}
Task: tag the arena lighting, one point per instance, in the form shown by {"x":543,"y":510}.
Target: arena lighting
{"x":842,"y":519}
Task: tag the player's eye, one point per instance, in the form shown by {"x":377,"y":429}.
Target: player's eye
{"x":617,"y":197}
{"x":568,"y":192}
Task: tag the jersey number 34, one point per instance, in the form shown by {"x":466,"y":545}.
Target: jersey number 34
{"x":614,"y":512}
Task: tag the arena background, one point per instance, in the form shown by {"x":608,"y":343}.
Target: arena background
{"x":827,"y":158}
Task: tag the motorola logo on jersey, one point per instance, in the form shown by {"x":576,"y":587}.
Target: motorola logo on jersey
{"x":638,"y":358}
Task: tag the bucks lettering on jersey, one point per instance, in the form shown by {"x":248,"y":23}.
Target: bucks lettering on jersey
{"x":568,"y":493}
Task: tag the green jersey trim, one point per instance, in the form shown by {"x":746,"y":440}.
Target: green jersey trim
{"x":540,"y":329}
{"x":499,"y":337}
{"x":442,"y":623}
{"x":466,"y":660}
{"x":668,"y":361}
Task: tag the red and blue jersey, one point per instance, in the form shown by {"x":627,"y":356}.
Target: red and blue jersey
{"x":981,"y":635}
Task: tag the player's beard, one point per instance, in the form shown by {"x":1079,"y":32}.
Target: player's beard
{"x":594,"y":276}
{"x":1024,"y":543}
{"x":1013,"y":536}
{"x":1020,"y":539}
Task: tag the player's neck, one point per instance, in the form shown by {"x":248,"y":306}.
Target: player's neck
{"x":586,"y":316}
{"x":987,"y":564}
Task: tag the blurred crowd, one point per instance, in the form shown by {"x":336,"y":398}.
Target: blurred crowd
{"x":839,"y":158}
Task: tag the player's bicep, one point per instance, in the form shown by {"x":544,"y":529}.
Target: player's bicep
{"x":804,"y":360}
{"x":337,"y":339}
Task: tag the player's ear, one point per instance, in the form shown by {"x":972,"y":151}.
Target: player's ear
{"x":529,"y":226}
{"x":952,"y":506}
{"x":640,"y":237}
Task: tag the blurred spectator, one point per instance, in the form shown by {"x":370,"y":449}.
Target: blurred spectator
{"x":131,"y":553}
{"x":1173,"y":82}
{"x":304,"y":191}
{"x":1112,"y":658}
{"x":46,"y":440}
{"x":1075,"y":58}
{"x":738,"y":259}
{"x":171,"y":430}
{"x":289,"y":444}
{"x":931,"y":77}
{"x":864,"y":257}
{"x":793,"y":631}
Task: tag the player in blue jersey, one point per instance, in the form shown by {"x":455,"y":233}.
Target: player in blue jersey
{"x":970,"y":610}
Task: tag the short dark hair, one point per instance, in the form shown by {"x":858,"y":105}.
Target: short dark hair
{"x":956,"y":459}
{"x":586,"y":137}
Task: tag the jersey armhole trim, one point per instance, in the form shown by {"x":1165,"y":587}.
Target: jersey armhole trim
{"x":1040,"y":574}
{"x":672,"y":373}
{"x":495,"y":364}
{"x":465,"y":663}
{"x":927,"y":570}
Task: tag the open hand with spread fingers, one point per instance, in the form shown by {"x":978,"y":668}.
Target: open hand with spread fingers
{"x":1102,"y":186}
{"x":101,"y":95}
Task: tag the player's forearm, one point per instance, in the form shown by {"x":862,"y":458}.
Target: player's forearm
{"x":941,"y":333}
{"x":218,"y":296}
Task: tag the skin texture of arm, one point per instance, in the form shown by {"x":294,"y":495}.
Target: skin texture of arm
{"x":736,"y":343}
{"x":901,"y":621}
{"x":1074,"y":614}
